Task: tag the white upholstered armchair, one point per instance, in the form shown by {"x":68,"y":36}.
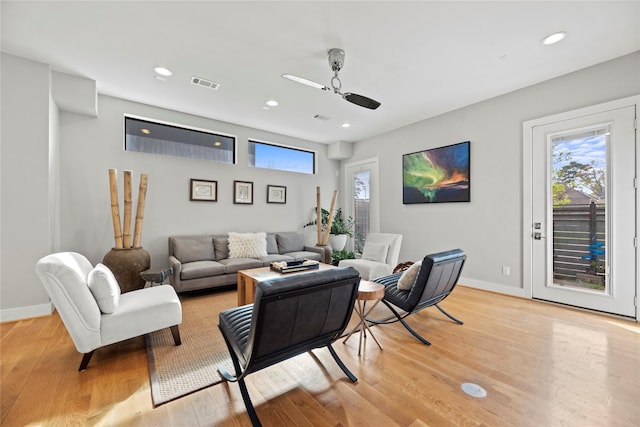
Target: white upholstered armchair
{"x":379,"y":255}
{"x":94,"y":312}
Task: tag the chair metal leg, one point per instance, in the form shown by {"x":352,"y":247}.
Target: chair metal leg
{"x":255,"y":421}
{"x":176,"y":335}
{"x":236,"y":364}
{"x":346,"y":370}
{"x":239,"y":378}
{"x":85,"y":360}
{"x":414,"y":333}
{"x":459,"y":322}
{"x":406,"y":325}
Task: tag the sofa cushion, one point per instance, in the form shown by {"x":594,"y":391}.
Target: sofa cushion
{"x":221,"y":246}
{"x":375,"y":252}
{"x":300,"y":255}
{"x":266,"y":260}
{"x":409,"y":276}
{"x":247,"y":245}
{"x":272,"y":244}
{"x":290,"y":242}
{"x":104,"y":287}
{"x":197,"y":269}
{"x":233,"y":265}
{"x":193,"y":248}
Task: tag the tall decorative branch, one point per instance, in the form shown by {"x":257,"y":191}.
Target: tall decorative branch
{"x":319,"y":216}
{"x":115,"y":208}
{"x":127,"y":209}
{"x":142,"y":195}
{"x":325,"y":239}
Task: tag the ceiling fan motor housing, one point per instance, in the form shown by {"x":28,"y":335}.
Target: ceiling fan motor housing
{"x":336,"y":59}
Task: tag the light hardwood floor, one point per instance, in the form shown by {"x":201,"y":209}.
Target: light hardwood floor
{"x":541,"y":365}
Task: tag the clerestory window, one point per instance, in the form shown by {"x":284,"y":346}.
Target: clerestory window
{"x":272,"y":156}
{"x":170,"y":139}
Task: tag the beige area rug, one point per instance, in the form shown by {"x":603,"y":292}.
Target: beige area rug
{"x":177,"y":371}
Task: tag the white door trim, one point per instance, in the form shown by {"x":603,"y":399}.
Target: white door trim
{"x":527,"y":182}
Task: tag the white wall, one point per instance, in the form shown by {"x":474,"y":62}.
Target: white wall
{"x":90,"y":146}
{"x":489,"y":228}
{"x":55,"y":187}
{"x":26,"y":226}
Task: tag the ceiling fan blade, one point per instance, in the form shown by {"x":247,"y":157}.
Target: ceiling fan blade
{"x":304,"y":81}
{"x":362,"y":101}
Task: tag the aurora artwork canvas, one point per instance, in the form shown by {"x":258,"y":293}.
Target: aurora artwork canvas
{"x":437,"y":175}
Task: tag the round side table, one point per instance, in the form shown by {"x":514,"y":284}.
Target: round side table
{"x":367,"y":291}
{"x":156,"y":275}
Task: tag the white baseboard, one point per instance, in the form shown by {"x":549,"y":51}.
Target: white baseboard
{"x":493,"y":287}
{"x":20,"y":313}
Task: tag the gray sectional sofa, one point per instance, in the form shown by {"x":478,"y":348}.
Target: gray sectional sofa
{"x":203,"y":261}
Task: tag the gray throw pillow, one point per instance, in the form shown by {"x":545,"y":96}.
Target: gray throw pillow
{"x":290,"y":242}
{"x":191,"y":249}
{"x":272,"y":244}
{"x":221,"y":245}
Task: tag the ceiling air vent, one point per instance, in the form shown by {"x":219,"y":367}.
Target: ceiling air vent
{"x":199,"y":81}
{"x":321,"y":117}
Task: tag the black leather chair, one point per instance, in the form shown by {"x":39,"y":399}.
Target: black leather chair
{"x":436,"y":280}
{"x":290,"y":315}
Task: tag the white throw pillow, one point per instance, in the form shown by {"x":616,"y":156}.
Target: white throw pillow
{"x":247,"y":245}
{"x":104,"y":287}
{"x":409,"y":276}
{"x":375,"y":252}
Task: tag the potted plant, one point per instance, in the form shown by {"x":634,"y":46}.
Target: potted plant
{"x":337,"y":256}
{"x":341,"y":228}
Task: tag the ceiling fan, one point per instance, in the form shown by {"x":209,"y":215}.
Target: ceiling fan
{"x":336,"y":61}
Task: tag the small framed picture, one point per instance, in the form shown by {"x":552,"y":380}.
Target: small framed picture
{"x":243,"y":192}
{"x":203,"y":190}
{"x":276,"y":194}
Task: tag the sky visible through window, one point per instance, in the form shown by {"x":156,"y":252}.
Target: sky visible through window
{"x":589,"y":152}
{"x":584,"y":150}
{"x":283,"y":158}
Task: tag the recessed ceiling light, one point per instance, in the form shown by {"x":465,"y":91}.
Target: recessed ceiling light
{"x":345,"y":125}
{"x":165,"y":72}
{"x":217,"y":143}
{"x":272,"y":103}
{"x":554,"y":38}
{"x":145,"y":131}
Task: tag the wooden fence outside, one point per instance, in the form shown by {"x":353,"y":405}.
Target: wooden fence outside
{"x":574,"y":227}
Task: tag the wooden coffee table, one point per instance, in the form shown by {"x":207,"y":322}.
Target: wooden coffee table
{"x":248,"y":279}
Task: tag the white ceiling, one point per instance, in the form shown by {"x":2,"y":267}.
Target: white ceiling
{"x":418,"y":58}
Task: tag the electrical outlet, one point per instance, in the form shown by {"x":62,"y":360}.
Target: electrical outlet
{"x":506,"y":270}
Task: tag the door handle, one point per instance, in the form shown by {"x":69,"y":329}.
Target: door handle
{"x":538,"y":236}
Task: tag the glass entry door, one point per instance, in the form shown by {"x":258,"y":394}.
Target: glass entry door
{"x":583,"y":230}
{"x":361,"y":199}
{"x":580,"y":224}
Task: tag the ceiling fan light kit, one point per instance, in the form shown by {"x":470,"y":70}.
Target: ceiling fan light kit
{"x":336,"y":62}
